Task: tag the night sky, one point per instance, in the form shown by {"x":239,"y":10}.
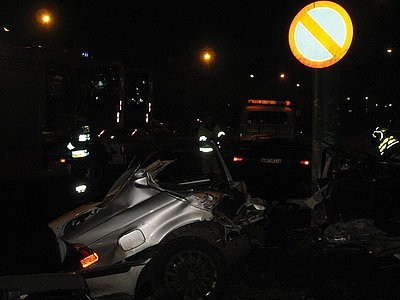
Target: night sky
{"x":248,"y":37}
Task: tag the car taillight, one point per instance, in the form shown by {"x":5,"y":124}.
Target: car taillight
{"x":237,"y":159}
{"x":305,"y":162}
{"x":87,"y":256}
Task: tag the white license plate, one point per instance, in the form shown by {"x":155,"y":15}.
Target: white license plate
{"x":271,"y":160}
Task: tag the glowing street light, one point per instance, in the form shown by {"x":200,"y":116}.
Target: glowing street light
{"x":207,"y":55}
{"x":44,"y":17}
{"x":282,"y":76}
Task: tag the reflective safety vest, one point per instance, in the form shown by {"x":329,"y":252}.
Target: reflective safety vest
{"x":204,"y":133}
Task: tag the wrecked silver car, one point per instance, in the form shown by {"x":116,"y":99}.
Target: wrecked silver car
{"x":173,"y":221}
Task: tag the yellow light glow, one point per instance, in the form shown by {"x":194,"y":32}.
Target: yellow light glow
{"x":207,"y":55}
{"x":44,"y":17}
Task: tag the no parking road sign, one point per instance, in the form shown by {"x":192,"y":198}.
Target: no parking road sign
{"x":320,"y":34}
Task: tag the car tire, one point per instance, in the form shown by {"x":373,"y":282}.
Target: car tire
{"x":189,"y":268}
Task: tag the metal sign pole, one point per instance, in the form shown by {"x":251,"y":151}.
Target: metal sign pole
{"x":316,"y":134}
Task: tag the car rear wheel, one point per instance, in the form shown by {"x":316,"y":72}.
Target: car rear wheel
{"x":189,"y":269}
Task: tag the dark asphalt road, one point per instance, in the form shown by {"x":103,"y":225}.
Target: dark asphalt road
{"x":312,"y":276}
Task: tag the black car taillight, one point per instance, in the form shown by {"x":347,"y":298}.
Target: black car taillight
{"x":305,"y":162}
{"x":237,"y":159}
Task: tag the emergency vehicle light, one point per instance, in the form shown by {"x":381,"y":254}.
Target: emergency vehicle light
{"x":269,"y":102}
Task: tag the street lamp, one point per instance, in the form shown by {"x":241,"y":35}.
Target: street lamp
{"x":207,"y":56}
{"x":44,"y":17}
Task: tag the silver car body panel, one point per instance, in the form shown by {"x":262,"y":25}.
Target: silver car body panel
{"x":102,"y":229}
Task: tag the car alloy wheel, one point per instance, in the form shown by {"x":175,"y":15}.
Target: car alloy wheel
{"x":191,"y":273}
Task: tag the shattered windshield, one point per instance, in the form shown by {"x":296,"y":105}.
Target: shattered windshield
{"x":179,"y":167}
{"x":187,"y":165}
